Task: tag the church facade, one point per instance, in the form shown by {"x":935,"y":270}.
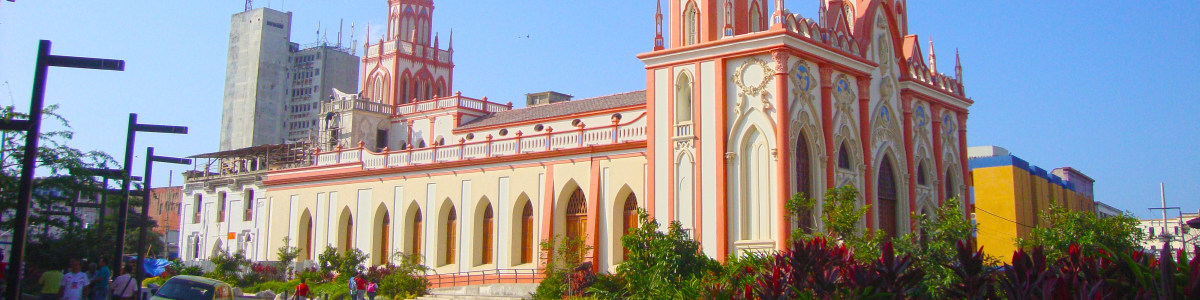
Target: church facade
{"x":745,"y":104}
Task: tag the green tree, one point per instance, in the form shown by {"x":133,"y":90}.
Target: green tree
{"x":842,"y":216}
{"x":932,"y":247}
{"x":663,"y":265}
{"x":1119,"y":234}
{"x":329,"y":259}
{"x":351,"y":262}
{"x":287,"y":254}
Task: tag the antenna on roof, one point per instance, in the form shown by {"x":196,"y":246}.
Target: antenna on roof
{"x":352,"y":41}
{"x":340,"y":21}
{"x":249,"y":5}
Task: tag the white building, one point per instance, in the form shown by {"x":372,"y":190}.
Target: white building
{"x":1174,"y":229}
{"x":1103,"y":210}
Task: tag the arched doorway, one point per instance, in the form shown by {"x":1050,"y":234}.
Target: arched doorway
{"x":629,"y":221}
{"x":577,"y":217}
{"x":803,"y":179}
{"x":887,"y":198}
{"x":527,"y":233}
{"x":451,"y":235}
{"x":382,"y":238}
{"x":488,"y":235}
{"x":415,"y":247}
{"x":345,"y":230}
{"x":304,"y":239}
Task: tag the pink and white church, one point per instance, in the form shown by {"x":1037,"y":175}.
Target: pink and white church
{"x":746,"y":103}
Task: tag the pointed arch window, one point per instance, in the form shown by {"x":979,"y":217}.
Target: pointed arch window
{"x":451,"y":234}
{"x":403,"y":90}
{"x":843,"y":158}
{"x":755,"y":17}
{"x":691,"y":24}
{"x":488,"y":223}
{"x":683,"y":98}
{"x":950,"y":190}
{"x":527,"y":233}
{"x":887,"y":198}
{"x":385,"y":234}
{"x":629,"y":221}
{"x":803,"y":180}
{"x":379,"y":90}
{"x":922,"y":179}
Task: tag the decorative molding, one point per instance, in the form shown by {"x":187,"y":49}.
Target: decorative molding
{"x":759,"y":88}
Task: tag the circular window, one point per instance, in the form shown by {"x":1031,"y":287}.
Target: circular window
{"x":576,"y":122}
{"x":503,"y":132}
{"x":616,"y":117}
{"x":470,"y":136}
{"x":538,"y":127}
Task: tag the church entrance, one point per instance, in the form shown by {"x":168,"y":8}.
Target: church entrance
{"x":577,"y":219}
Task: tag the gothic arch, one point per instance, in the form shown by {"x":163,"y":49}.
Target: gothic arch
{"x":405,"y":86}
{"x":381,"y":240}
{"x":304,"y":239}
{"x":684,"y":86}
{"x":414,"y":222}
{"x":691,"y":23}
{"x":753,"y":177}
{"x":567,"y":205}
{"x":891,"y":199}
{"x":448,"y":234}
{"x":483,"y":231}
{"x":523,"y":232}
{"x":620,"y":220}
{"x":685,"y":190}
{"x":345,"y":230}
{"x":380,"y":87}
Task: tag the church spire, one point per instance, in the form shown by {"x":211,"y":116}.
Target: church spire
{"x":957,"y":66}
{"x":658,"y":37}
{"x":777,"y":17}
{"x":932,"y":58}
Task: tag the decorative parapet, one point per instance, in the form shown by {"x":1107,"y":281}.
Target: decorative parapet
{"x":813,"y":30}
{"x":456,"y":101}
{"x":634,"y":131}
{"x":406,"y":48}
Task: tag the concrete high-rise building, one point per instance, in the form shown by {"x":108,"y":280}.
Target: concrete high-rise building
{"x":273,"y":87}
{"x":256,"y":74}
{"x":316,"y":71}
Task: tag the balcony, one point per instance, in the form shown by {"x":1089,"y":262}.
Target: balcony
{"x":683,"y":130}
{"x":549,"y":140}
{"x":456,"y":101}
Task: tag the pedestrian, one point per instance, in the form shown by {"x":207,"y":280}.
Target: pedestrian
{"x":100,"y":280}
{"x":125,"y":285}
{"x":51,"y":282}
{"x":353,"y":287}
{"x":360,"y":286}
{"x":302,"y":290}
{"x":74,"y":283}
{"x":371,"y":290}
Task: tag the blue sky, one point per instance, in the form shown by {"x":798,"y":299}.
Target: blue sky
{"x":1106,"y":87}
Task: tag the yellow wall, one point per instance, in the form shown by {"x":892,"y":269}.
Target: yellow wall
{"x":1009,"y":200}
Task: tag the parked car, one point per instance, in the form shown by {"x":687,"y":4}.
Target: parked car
{"x":184,"y":287}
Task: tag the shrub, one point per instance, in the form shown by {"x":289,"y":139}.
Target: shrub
{"x":276,"y":287}
{"x":562,"y":255}
{"x":329,"y":260}
{"x":405,"y":278}
{"x":663,"y":265}
{"x":155,"y":280}
{"x":351,"y":262}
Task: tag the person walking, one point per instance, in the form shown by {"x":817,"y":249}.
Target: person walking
{"x":51,"y":282}
{"x":74,"y":284}
{"x":100,"y":281}
{"x":302,"y":290}
{"x":360,"y":286}
{"x":371,"y":290}
{"x":353,"y":287}
{"x":125,"y":285}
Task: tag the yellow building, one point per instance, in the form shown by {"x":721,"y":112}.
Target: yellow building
{"x":1011,"y":195}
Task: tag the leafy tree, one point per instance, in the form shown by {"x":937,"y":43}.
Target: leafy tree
{"x":562,"y":255}
{"x":842,"y":216}
{"x":351,"y":262}
{"x":329,"y":260}
{"x":1119,"y":234}
{"x":934,"y":245}
{"x":287,"y":254}
{"x":407,"y":278}
{"x":662,"y":265}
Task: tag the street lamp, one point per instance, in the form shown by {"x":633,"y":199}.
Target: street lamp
{"x":123,"y":212}
{"x":33,"y":129}
{"x":150,"y":160}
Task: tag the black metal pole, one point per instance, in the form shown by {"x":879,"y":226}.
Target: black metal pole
{"x":123,"y":210}
{"x":141,"y":249}
{"x":28,"y":165}
{"x":103,"y":200}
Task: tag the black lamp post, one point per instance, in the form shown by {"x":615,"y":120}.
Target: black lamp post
{"x":150,"y":160}
{"x":33,"y":129}
{"x":123,"y":211}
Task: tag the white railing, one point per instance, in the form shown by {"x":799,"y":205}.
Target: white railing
{"x":543,"y":142}
{"x":683,"y":129}
{"x":358,"y":104}
{"x":455,"y":101}
{"x":407,"y":48}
